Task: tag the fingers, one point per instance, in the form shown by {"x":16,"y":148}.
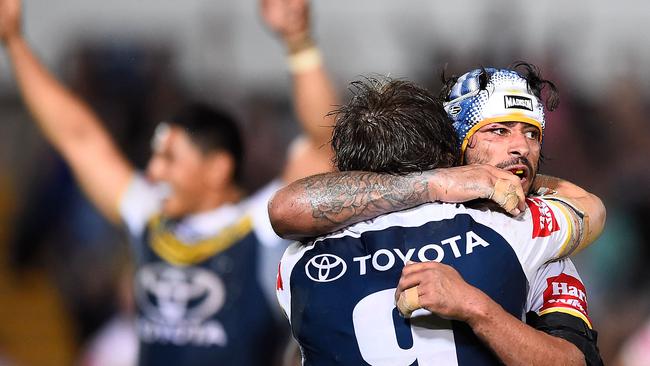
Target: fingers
{"x":407,"y":297}
{"x":508,"y":195}
{"x":409,"y":301}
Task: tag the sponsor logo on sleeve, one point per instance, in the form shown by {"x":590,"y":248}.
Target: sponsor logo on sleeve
{"x":544,"y":221}
{"x":565,"y":292}
{"x":518,"y":102}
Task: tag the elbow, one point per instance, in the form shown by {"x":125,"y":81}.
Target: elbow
{"x":597,"y":215}
{"x":277,"y":213}
{"x":600,"y":217}
{"x":282,"y":215}
{"x":575,"y":357}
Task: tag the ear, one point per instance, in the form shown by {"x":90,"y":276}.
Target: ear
{"x":220,"y":169}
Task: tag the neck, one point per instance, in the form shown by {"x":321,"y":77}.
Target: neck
{"x":230,"y":195}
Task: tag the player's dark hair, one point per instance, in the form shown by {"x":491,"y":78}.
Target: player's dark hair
{"x":212,"y":130}
{"x":392,"y":126}
{"x":536,"y":83}
{"x":530,"y":72}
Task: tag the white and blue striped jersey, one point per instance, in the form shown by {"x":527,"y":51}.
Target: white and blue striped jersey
{"x":338,"y":291}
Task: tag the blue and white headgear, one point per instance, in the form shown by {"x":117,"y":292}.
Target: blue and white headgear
{"x":505,"y":98}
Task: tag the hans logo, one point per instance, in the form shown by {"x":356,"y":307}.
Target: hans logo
{"x":325,"y":268}
{"x":518,"y":102}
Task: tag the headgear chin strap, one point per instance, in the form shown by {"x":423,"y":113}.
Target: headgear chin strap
{"x":505,"y":98}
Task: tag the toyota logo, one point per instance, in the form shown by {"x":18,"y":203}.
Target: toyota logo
{"x":325,"y":268}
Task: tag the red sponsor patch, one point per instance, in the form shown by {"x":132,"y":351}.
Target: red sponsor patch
{"x":278,"y":284}
{"x":566,"y":292}
{"x":544,"y":222}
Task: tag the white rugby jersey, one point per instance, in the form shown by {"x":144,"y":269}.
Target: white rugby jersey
{"x":557,"y":287}
{"x":338,"y":291}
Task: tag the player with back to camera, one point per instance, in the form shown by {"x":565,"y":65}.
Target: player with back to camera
{"x":329,"y":202}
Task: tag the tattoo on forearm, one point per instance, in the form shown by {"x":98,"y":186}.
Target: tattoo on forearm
{"x":341,"y":199}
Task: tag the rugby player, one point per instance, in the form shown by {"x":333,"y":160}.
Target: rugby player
{"x":324,"y":203}
{"x":364,"y":261}
{"x":205,"y":255}
{"x":314,"y":309}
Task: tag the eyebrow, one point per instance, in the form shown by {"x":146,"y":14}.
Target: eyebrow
{"x":510,"y":124}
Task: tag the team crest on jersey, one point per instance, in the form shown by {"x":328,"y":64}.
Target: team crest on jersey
{"x":178,"y":305}
{"x":544,"y":221}
{"x":565,"y":292}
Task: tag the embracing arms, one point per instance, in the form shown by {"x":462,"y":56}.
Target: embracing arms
{"x":324,"y":203}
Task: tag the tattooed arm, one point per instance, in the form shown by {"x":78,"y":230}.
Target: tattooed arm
{"x":328,"y":202}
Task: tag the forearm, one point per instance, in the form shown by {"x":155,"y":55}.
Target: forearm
{"x":73,"y":129}
{"x":328,"y":202}
{"x":516,"y":343}
{"x":61,"y":116}
{"x":314,"y":98}
{"x":313,"y":94}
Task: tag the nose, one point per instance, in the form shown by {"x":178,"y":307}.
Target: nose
{"x":519,"y":145}
{"x":154,"y":169}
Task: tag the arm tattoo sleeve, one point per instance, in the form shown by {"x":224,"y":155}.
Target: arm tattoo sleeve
{"x":341,"y":199}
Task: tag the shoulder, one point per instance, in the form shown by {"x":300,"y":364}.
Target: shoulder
{"x":421,"y":215}
{"x":256,"y":205}
{"x":141,"y":200}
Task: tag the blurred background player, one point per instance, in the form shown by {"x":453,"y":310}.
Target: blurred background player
{"x":205,"y":255}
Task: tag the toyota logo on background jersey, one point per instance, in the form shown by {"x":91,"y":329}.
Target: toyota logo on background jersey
{"x":325,"y":268}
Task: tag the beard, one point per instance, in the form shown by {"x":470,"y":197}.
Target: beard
{"x":532,"y":171}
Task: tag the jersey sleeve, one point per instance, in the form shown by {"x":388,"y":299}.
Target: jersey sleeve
{"x":551,"y":231}
{"x":257,"y":206}
{"x":141,"y":200}
{"x":557,"y":287}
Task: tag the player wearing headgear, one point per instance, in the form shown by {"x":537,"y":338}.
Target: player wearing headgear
{"x":498,"y":138}
{"x":338,"y":290}
{"x":205,"y":255}
{"x":487,"y":121}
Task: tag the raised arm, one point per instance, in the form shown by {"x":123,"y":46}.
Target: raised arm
{"x":313,"y":94}
{"x":65,"y":120}
{"x":328,"y":202}
{"x":589,"y":209}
